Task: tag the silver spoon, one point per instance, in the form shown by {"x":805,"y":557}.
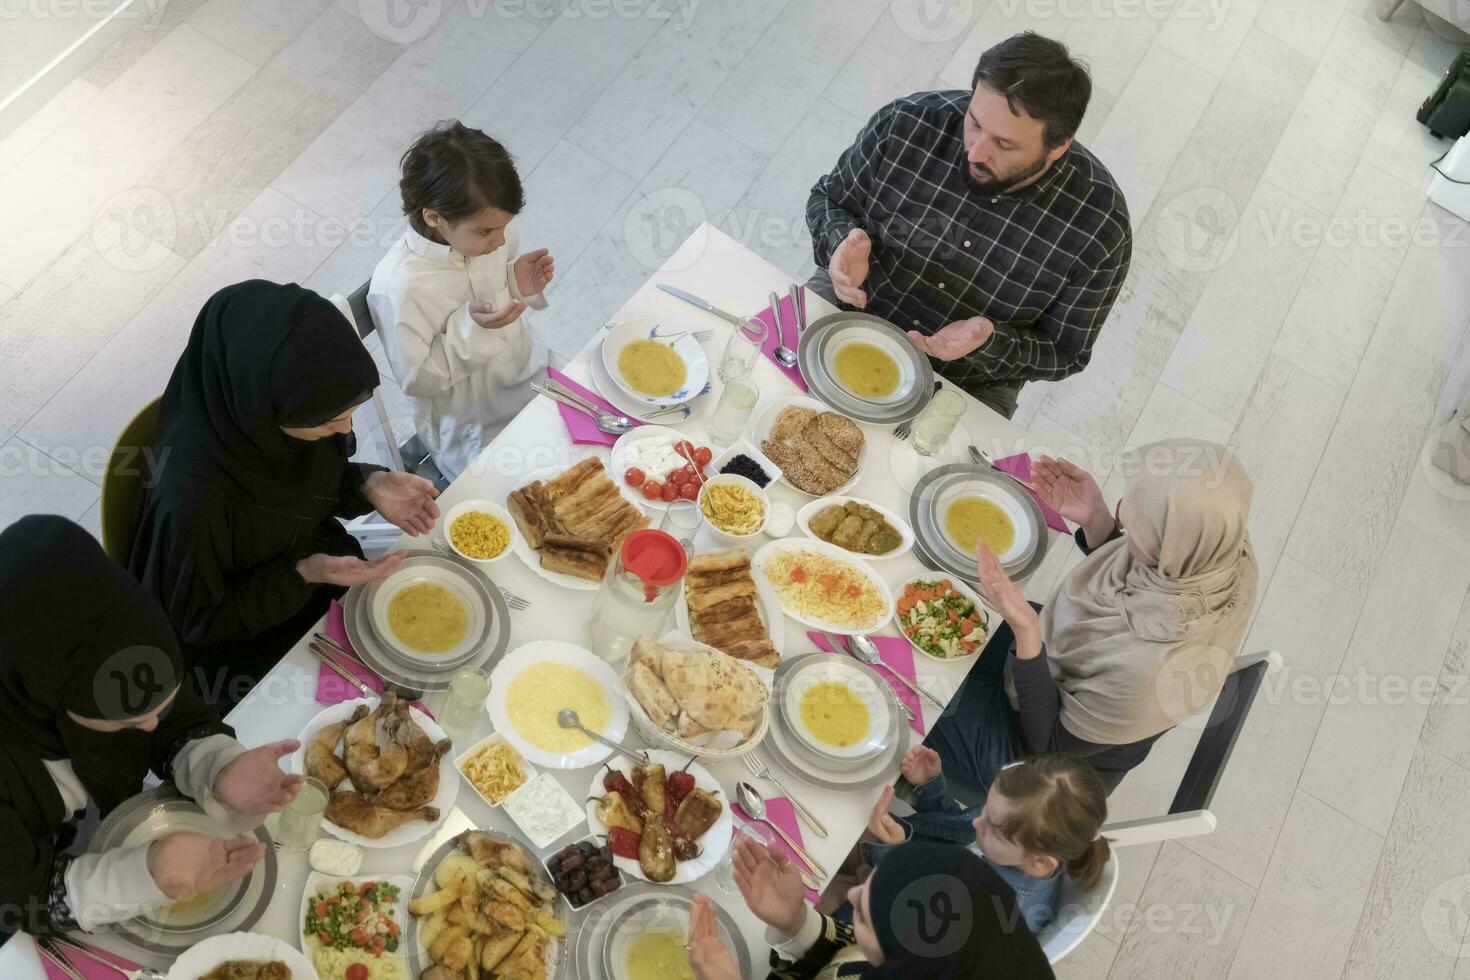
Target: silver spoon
{"x":755,"y":805}
{"x":981,"y":458}
{"x":613,"y":425}
{"x":785,"y":355}
{"x":866,"y":650}
{"x":567,"y":718}
{"x":839,"y":645}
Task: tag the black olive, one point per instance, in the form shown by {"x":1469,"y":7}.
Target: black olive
{"x":587,"y":848}
{"x":577,"y":881}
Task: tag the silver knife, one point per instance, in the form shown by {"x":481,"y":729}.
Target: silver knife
{"x":693,"y":300}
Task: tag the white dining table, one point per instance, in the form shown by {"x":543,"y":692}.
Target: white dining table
{"x":714,"y":266}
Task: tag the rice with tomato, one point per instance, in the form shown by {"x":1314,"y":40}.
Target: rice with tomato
{"x":829,"y":589}
{"x":355,"y":964}
{"x":353,"y":932}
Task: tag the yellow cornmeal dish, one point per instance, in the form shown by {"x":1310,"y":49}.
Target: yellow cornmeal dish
{"x":866,"y":370}
{"x":653,"y":368}
{"x":970,"y":520}
{"x":659,"y":956}
{"x":332,"y":964}
{"x":540,"y":691}
{"x":428,"y":618}
{"x":834,"y":714}
{"x":479,"y":535}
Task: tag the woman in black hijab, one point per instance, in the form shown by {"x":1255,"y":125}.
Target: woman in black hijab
{"x":934,"y":913}
{"x":239,"y":537}
{"x":90,"y":691}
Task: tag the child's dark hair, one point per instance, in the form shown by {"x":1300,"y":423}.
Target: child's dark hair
{"x":458,"y":172}
{"x":1057,"y":807}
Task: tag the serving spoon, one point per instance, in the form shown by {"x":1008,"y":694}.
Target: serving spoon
{"x":613,"y":425}
{"x":567,"y":718}
{"x":754,"y":804}
{"x":784,"y":354}
{"x":866,"y":650}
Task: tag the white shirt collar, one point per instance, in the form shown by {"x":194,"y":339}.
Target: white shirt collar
{"x":431,"y":249}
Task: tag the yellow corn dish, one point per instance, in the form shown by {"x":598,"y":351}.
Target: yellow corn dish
{"x":479,"y":535}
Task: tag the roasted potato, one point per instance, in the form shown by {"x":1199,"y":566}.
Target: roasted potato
{"x":506,"y":892}
{"x":430,"y":929}
{"x":497,"y":948}
{"x":507,"y":915}
{"x":454,"y":869}
{"x":457,"y":955}
{"x":449,"y":936}
{"x":433,"y":901}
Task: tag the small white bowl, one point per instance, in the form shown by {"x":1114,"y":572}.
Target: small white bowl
{"x":730,"y":479}
{"x":744,"y":447}
{"x":494,"y":738}
{"x":696,"y":362}
{"x":486,"y":507}
{"x":592,"y":838}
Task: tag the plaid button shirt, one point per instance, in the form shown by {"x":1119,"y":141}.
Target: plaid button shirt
{"x":1044,"y":263}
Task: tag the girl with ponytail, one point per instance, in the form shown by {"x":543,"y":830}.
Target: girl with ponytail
{"x":1041,"y":820}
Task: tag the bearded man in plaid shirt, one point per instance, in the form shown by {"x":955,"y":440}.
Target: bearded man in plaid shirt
{"x":977,"y":223}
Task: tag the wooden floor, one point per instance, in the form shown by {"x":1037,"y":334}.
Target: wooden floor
{"x":1292,"y":294}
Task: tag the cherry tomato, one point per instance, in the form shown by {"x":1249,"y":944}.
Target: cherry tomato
{"x":684,"y":474}
{"x":689,"y":491}
{"x":668,"y":493}
{"x":651,"y":489}
{"x":356,"y":971}
{"x":634,"y":477}
{"x":703,"y":455}
{"x":685,"y":449}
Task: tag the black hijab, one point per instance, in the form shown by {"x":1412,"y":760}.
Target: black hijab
{"x":81,"y":635}
{"x":263,"y":355}
{"x":941,"y":913}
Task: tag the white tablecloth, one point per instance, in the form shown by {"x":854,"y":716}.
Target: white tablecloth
{"x":717,"y":268}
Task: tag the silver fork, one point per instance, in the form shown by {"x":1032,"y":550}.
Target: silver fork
{"x":759,"y":770}
{"x":511,"y":599}
{"x":57,"y":946}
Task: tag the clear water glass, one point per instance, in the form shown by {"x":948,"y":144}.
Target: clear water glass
{"x":733,"y":410}
{"x":468,"y":690}
{"x":725,"y":873}
{"x":682,"y":522}
{"x":301,"y":820}
{"x":743,"y":347}
{"x":931,"y":430}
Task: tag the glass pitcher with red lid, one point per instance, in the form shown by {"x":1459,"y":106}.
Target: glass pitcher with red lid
{"x":637,"y":592}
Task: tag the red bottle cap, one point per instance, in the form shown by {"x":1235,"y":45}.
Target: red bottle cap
{"x":656,"y":557}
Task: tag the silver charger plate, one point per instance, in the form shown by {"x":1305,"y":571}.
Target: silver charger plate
{"x":241,"y":903}
{"x":424,"y":883}
{"x":877,"y":747}
{"x":811,"y":359}
{"x":472,"y":577}
{"x":934,"y":549}
{"x":598,"y":923}
{"x":357,"y":619}
{"x":786,"y":750}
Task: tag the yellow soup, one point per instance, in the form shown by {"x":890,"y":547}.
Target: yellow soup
{"x":187,"y":911}
{"x":428,"y":618}
{"x":653,"y":368}
{"x":972,"y":519}
{"x":659,"y":956}
{"x":834,"y":714}
{"x":540,"y":691}
{"x":866,"y":370}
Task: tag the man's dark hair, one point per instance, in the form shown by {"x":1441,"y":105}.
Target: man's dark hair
{"x":1038,"y":77}
{"x":457,"y":171}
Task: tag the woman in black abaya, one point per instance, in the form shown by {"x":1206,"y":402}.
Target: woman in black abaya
{"x":90,"y":691}
{"x":239,"y":537}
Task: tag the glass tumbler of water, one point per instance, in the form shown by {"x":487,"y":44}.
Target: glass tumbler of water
{"x":682,"y":521}
{"x":937,"y":420}
{"x":732,"y":411}
{"x":468,"y":690}
{"x":301,"y":819}
{"x":743,"y":347}
{"x":758,"y":832}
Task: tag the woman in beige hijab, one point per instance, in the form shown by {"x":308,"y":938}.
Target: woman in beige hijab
{"x":1136,"y":638}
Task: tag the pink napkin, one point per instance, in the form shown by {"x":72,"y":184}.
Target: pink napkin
{"x":582,"y":426}
{"x":773,"y":339}
{"x":780,"y":813}
{"x":1019,"y":466}
{"x":898,"y":657}
{"x":85,"y":965}
{"x":332,"y":687}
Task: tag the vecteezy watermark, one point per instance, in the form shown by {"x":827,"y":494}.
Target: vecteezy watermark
{"x":1199,"y":230}
{"x":406,"y":21}
{"x":1454,"y":24}
{"x":659,"y":222}
{"x":132,"y":682}
{"x":1445,"y":458}
{"x":150,"y":12}
{"x":1210,"y":11}
{"x":1445,"y":916}
{"x":933,"y":21}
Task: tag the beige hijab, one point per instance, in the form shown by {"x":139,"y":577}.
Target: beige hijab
{"x":1142,"y":633}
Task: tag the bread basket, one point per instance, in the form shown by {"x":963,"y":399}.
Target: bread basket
{"x":660,"y":739}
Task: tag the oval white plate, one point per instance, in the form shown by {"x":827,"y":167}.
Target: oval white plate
{"x":992,"y":618}
{"x":446,"y":578}
{"x":811,"y":510}
{"x":617,"y":463}
{"x":860,"y":333}
{"x":765,"y":554}
{"x":488,"y":507}
{"x":715,"y":843}
{"x":767,"y":422}
{"x":414,"y":829}
{"x":664,"y":331}
{"x":840,"y":671}
{"x":532,"y":558}
{"x":316,"y":882}
{"x":556,"y":651}
{"x":212,"y":952}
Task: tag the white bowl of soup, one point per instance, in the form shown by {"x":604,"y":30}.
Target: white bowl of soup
{"x":837,"y":710}
{"x":428,"y":614}
{"x":870,"y":364}
{"x":972,"y":511}
{"x":656,"y":361}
